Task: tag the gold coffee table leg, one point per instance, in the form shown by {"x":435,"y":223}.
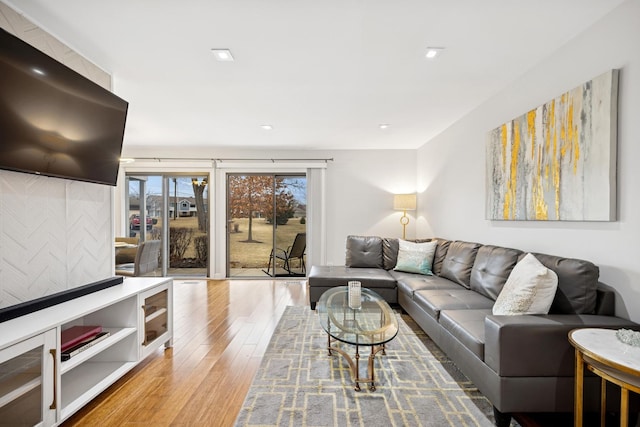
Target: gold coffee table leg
{"x":354,"y":366}
{"x":371,"y":367}
{"x":356,"y":375}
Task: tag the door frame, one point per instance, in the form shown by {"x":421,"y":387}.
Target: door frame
{"x":164,"y":169}
{"x":274,"y":228}
{"x":316,"y":237}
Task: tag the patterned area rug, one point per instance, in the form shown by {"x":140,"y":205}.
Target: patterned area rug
{"x":299,"y":384}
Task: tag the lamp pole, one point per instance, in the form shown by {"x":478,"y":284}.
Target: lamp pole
{"x":404,"y":220}
{"x":404,"y":203}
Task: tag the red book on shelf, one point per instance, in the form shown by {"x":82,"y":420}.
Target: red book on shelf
{"x":75,"y":334}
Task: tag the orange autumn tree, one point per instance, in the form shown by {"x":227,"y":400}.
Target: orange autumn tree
{"x":248,"y":195}
{"x":251,"y":195}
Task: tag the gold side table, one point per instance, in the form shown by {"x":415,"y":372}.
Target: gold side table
{"x":599,"y":351}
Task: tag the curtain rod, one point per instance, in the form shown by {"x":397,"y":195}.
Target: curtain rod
{"x":223,"y":159}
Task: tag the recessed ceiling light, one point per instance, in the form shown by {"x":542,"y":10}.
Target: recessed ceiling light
{"x":38,"y":71}
{"x":384,"y":126}
{"x":222,"y":54}
{"x":267,"y":127}
{"x":433,"y":52}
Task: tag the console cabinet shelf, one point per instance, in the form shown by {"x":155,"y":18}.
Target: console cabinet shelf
{"x":38,"y":388}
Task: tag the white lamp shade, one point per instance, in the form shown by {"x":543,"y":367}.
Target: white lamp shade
{"x":404,"y":202}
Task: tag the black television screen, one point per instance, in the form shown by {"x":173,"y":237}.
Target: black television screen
{"x":54,"y":121}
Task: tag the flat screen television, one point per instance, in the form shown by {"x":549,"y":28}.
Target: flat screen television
{"x":54,"y":121}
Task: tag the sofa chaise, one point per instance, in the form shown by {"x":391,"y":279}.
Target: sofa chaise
{"x":521,"y":363}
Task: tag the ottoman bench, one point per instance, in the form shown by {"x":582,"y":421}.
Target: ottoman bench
{"x":325,"y":277}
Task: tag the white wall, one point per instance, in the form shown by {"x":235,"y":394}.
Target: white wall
{"x":451,"y":167}
{"x":360,"y":189}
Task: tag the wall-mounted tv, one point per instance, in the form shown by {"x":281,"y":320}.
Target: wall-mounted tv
{"x":54,"y":121}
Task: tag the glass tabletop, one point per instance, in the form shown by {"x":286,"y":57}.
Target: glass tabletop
{"x":374,"y":323}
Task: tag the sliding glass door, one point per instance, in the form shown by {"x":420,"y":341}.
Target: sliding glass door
{"x":188,"y":225}
{"x":183,"y":201}
{"x":266,"y":225}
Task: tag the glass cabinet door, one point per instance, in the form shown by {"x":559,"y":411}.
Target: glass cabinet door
{"x":155,"y":316}
{"x":27,"y":384}
{"x":156,"y":319}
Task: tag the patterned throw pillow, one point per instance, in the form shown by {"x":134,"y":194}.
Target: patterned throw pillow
{"x":415,"y":257}
{"x":530,"y":289}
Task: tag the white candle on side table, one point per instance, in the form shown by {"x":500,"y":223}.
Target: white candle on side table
{"x":354,"y":294}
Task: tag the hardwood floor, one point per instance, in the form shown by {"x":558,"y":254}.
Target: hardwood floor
{"x":221,"y":330}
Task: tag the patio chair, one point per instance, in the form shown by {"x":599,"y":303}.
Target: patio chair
{"x":146,"y":260}
{"x":293,"y":252}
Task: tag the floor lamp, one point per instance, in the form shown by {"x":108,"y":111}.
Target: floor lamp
{"x":404,"y":203}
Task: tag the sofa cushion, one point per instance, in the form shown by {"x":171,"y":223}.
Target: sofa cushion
{"x":577,"y":284}
{"x":441,"y":253}
{"x":390,"y":246}
{"x":530,"y":289}
{"x":433,"y":301}
{"x":537,"y":345}
{"x":364,"y":251}
{"x":459,"y":261}
{"x":415,"y":257}
{"x":408,"y":283}
{"x":467,"y":326}
{"x":332,"y":275}
{"x":491,"y":269}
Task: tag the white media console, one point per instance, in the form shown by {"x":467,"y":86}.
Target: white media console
{"x":37,"y":388}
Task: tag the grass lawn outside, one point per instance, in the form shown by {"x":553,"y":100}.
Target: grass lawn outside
{"x":245,"y":254}
{"x":255,"y":254}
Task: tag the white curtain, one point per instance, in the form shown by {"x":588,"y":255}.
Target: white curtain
{"x":316,"y":226}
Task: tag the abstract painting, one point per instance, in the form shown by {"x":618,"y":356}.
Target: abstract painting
{"x":557,"y":162}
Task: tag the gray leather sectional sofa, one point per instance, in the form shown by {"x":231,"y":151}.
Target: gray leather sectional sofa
{"x":521,"y":363}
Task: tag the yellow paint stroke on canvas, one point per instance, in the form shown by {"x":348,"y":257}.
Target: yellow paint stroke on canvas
{"x":563,"y":125}
{"x":510,"y":197}
{"x":507,"y":196}
{"x":531,"y":128}
{"x":555,"y":156}
{"x":503,"y":140}
{"x":537,"y":192}
{"x":548,"y":138}
{"x":572,"y":137}
{"x":540,"y":206}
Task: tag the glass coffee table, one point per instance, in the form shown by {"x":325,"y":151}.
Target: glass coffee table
{"x":373,"y":325}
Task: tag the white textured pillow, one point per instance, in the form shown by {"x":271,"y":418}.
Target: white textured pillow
{"x":530,"y":289}
{"x":415,"y":257}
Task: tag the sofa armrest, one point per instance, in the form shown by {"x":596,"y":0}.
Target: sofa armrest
{"x":538,"y":345}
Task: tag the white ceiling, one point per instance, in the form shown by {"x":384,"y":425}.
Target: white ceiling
{"x":325,"y":74}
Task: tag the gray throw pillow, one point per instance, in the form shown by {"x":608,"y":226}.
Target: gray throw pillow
{"x":364,"y":251}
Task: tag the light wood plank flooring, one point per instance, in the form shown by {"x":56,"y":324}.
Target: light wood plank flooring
{"x":221,"y":330}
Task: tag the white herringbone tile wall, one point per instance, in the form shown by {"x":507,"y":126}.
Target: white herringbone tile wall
{"x":55,"y":234}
